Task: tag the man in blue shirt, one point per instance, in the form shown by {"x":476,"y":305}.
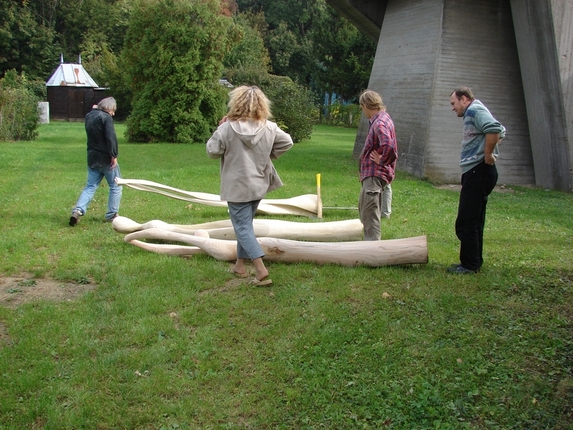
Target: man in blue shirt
{"x":481,"y":135}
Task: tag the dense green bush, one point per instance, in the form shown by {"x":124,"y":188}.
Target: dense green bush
{"x":172,"y":61}
{"x":292,"y":105}
{"x":247,"y":63}
{"x":344,"y":115}
{"x":19,"y":116}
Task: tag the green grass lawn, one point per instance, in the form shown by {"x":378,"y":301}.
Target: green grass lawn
{"x":163,"y":342}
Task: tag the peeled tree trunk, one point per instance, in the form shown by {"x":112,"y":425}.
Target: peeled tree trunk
{"x":412,"y":250}
{"x":346,"y":230}
{"x":304,"y":205}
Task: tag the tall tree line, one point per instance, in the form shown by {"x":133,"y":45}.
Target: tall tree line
{"x":303,"y":39}
{"x":162,"y":58}
{"x":310,"y":42}
{"x":33,"y":33}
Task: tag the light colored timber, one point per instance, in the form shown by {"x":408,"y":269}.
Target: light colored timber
{"x":346,"y":230}
{"x":413,"y":250}
{"x":304,"y":205}
{"x":162,"y":248}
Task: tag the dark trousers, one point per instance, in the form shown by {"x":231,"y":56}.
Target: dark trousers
{"x":477,"y":184}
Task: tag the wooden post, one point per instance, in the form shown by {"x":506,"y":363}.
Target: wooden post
{"x":318,"y":197}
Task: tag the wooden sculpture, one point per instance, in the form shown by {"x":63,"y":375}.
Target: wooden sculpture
{"x":346,"y":230}
{"x":412,"y":250}
{"x":304,"y":205}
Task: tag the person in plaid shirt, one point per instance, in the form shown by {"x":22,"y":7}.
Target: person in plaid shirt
{"x":377,"y":162}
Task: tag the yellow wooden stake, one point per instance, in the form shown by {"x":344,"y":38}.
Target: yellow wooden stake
{"x":319,"y":199}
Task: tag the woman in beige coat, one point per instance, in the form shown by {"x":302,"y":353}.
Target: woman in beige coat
{"x":246,"y":141}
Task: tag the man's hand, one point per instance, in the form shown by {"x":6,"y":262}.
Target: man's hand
{"x":489,"y":159}
{"x":113,"y":163}
{"x":376,"y":157}
{"x":491,"y":140}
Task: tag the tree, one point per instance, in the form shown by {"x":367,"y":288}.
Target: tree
{"x":172,"y":62}
{"x":248,"y":60}
{"x":287,"y":38}
{"x":247,"y":63}
{"x":343,"y":57}
{"x":18,"y":108}
{"x":314,"y":45}
{"x":292,"y":106}
{"x":73,"y":21}
{"x":33,"y":33}
{"x":25,"y":45}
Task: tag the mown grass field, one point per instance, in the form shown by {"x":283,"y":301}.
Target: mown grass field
{"x":162,"y":342}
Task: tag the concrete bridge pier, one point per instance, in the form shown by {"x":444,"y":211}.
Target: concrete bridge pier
{"x":516,"y":55}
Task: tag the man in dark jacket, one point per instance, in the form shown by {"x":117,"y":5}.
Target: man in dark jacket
{"x":102,"y":160}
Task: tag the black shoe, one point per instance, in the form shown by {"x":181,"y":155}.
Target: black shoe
{"x":75,"y":218}
{"x":111,"y":219}
{"x":460,"y":270}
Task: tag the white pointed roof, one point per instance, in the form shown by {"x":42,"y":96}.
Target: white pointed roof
{"x":72,"y":75}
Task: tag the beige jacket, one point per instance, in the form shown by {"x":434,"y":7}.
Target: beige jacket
{"x":246,"y":149}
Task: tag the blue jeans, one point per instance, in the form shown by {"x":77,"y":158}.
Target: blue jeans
{"x":242,"y":215}
{"x":95,"y":176}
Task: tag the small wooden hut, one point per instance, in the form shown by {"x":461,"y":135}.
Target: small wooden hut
{"x":72,"y":92}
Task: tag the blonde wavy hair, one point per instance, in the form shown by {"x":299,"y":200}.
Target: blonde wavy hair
{"x":248,"y":103}
{"x":371,"y":100}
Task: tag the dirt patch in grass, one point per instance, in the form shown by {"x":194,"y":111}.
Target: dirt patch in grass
{"x":24,"y":288}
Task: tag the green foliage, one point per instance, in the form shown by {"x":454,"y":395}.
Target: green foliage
{"x":292,"y":106}
{"x":343,"y":57}
{"x":288,"y":40}
{"x":166,"y":342}
{"x":172,"y":61}
{"x":314,"y":45}
{"x":344,"y":115}
{"x":26,"y":45}
{"x":248,"y":60}
{"x":303,"y":39}
{"x":99,"y":61}
{"x":19,"y":115}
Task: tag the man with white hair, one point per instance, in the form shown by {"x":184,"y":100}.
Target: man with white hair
{"x":102,"y":155}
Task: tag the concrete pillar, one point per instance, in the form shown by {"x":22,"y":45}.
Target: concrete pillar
{"x":426,"y":49}
{"x":544,"y":33}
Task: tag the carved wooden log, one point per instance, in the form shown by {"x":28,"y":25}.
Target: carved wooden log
{"x":413,"y":250}
{"x":345,"y":230}
{"x":162,"y":248}
{"x":225,"y":250}
{"x":304,"y":205}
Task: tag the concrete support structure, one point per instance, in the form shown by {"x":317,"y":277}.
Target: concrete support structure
{"x":544,"y":33}
{"x":516,"y":55}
